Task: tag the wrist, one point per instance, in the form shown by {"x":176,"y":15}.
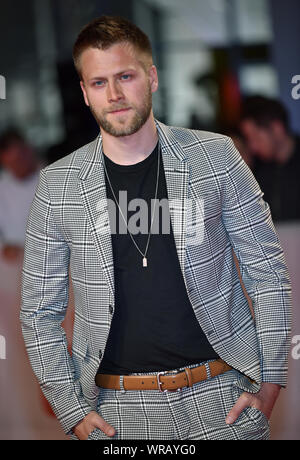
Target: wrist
{"x":270,"y":390}
{"x":274,"y":386}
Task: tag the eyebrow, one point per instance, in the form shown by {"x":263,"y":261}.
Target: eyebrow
{"x":115,"y":75}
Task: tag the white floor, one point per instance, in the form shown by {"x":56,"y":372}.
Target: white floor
{"x":23,"y":410}
{"x":285,"y":420}
{"x":23,"y":413}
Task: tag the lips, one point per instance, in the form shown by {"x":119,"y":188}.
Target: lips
{"x":122,"y":110}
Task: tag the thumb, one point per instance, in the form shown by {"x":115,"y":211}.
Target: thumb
{"x":105,"y":427}
{"x":239,"y":406}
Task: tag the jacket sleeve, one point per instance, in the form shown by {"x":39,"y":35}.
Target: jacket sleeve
{"x":248,"y":221}
{"x":44,"y":301}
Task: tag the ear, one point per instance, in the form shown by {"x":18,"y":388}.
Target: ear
{"x":153,"y":78}
{"x":84,"y":93}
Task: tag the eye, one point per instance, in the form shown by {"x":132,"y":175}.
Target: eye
{"x":99,"y":83}
{"x":125,"y":77}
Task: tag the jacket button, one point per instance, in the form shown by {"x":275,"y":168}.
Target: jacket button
{"x":100,"y":354}
{"x":111,"y":310}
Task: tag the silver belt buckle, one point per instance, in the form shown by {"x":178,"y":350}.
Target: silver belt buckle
{"x":161,"y":383}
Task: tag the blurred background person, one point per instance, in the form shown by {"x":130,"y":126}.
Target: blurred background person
{"x":242,"y":146}
{"x":265,"y":126}
{"x":18,"y":180}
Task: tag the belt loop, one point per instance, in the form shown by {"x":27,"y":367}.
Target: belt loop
{"x":189,"y":376}
{"x":122,"y":384}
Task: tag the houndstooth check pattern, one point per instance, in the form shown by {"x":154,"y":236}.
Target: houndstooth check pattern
{"x":65,"y":235}
{"x":196,"y":413}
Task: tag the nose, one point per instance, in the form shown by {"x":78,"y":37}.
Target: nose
{"x":114,"y":92}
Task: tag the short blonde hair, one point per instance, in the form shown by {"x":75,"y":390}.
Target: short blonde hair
{"x":106,"y":31}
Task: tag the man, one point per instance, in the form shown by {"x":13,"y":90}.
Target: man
{"x":18,"y":181}
{"x":164,"y":343}
{"x":265,"y":125}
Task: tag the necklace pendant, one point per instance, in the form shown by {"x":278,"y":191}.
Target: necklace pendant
{"x":144,"y":262}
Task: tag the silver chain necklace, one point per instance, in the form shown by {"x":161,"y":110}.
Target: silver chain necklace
{"x":145,"y":262}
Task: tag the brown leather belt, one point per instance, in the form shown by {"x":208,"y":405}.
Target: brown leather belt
{"x":161,"y":381}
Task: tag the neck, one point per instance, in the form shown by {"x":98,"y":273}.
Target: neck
{"x":127,"y":150}
{"x":285,"y":149}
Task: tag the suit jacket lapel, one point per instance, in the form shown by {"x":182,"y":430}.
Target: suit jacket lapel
{"x":92,"y":189}
{"x":177,"y":180}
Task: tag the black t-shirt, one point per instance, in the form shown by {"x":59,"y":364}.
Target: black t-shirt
{"x":154,"y":327}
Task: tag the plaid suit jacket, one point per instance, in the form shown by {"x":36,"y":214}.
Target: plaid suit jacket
{"x":65,"y":236}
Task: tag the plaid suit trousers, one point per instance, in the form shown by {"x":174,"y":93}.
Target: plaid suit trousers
{"x":194,"y":413}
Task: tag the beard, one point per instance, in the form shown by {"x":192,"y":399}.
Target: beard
{"x":121,"y":127}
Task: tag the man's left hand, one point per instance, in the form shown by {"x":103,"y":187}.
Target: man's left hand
{"x":264,"y":401}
